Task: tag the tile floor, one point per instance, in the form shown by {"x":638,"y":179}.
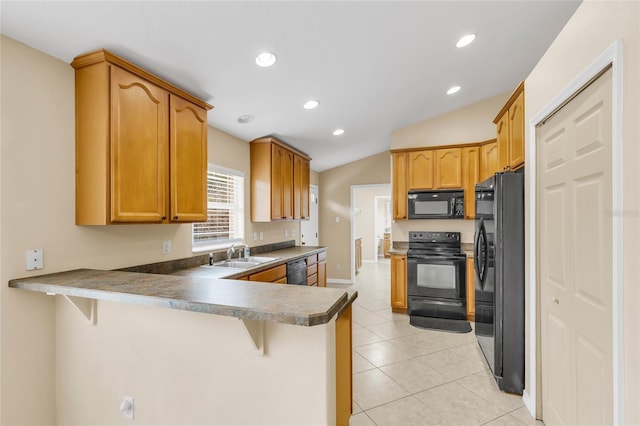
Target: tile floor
{"x":404,"y":375}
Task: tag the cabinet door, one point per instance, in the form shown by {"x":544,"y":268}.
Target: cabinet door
{"x":449,"y":168}
{"x":488,"y":160}
{"x":399,"y":185}
{"x":188,"y":161}
{"x":304,"y":190}
{"x":322,"y":273}
{"x":277,"y":161}
{"x":287,"y":184}
{"x":300,"y":187}
{"x":139,"y":151}
{"x":516,"y":130}
{"x":399,"y":282}
{"x":502,"y":129}
{"x":470,"y":176}
{"x":421,"y":169}
{"x":471,"y":290}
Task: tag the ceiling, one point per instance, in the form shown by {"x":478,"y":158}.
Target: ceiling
{"x":374,"y":66}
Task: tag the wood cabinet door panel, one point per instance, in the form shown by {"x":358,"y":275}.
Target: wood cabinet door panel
{"x":516,"y":129}
{"x":139,"y":159}
{"x":188,"y":161}
{"x":398,"y":281}
{"x":502,"y":129}
{"x":287,"y":185}
{"x":421,"y":169}
{"x":304,"y":189}
{"x":488,"y":160}
{"x":470,"y":176}
{"x":277,"y":160}
{"x":399,"y":185}
{"x":322,"y":274}
{"x":449,"y":168}
{"x":300,"y":187}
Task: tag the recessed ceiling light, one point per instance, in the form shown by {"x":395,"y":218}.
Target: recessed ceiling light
{"x":338,"y":132}
{"x":452,"y":90}
{"x":244,"y":119}
{"x":466,"y":40}
{"x":311,"y":104}
{"x":265,"y":59}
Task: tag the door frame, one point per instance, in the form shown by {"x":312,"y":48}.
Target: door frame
{"x":376,"y":199}
{"x":532,"y":397}
{"x":311,"y":190}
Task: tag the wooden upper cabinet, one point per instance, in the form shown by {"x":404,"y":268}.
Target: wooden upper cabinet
{"x":301,"y":176}
{"x":488,"y":160}
{"x":399,"y":185}
{"x":279,"y":181}
{"x":188,"y":161}
{"x":421,"y":169}
{"x":139,"y":161}
{"x":131,"y":127}
{"x":510,"y":131}
{"x":449,"y":168}
{"x":470,"y":176}
{"x":516,"y":130}
{"x":502,"y":131}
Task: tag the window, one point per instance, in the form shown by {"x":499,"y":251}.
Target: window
{"x":225,"y":210}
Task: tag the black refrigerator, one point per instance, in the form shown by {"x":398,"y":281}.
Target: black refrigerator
{"x":499,"y":268}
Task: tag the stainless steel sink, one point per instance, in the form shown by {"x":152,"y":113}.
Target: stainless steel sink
{"x":242,"y":263}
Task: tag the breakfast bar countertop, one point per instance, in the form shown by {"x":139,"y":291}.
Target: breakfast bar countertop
{"x":288,"y":304}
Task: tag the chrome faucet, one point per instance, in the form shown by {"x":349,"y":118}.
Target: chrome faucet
{"x":230,"y":251}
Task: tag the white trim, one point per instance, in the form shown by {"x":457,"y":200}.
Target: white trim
{"x":612,"y":55}
{"x":338,"y":281}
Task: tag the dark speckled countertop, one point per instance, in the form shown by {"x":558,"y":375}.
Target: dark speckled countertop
{"x":203,"y":290}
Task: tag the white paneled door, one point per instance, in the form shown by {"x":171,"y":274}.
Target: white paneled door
{"x":309,"y":228}
{"x":575,"y":258}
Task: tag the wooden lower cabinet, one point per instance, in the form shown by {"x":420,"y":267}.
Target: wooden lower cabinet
{"x":344,"y":371}
{"x":471,"y":290}
{"x":273,"y":275}
{"x":322,"y":269}
{"x":398,"y":283}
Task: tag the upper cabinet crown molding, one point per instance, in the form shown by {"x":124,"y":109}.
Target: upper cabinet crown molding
{"x":103,"y":55}
{"x":141,"y":146}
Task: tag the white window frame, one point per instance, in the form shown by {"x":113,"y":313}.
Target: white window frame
{"x":239,"y":214}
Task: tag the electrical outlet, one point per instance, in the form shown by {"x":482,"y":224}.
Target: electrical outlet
{"x":255,"y":236}
{"x":166,"y":246}
{"x":293,"y":232}
{"x":337,"y":219}
{"x":126,"y":407}
{"x":34,"y":259}
{"x":261,"y":236}
{"x":337,"y":266}
{"x":286,"y":233}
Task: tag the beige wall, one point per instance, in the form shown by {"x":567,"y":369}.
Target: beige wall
{"x":335,"y":202}
{"x":37,"y":210}
{"x":592,"y":29}
{"x":473,"y":123}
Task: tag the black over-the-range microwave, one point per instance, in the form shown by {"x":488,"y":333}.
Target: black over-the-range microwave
{"x":436,"y":204}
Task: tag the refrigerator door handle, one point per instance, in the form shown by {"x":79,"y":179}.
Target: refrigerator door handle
{"x":479,"y":261}
{"x":485,"y":257}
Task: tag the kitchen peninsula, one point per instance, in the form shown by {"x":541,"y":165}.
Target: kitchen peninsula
{"x":196,"y":350}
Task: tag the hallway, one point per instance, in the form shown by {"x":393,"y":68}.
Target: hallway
{"x":404,"y":375}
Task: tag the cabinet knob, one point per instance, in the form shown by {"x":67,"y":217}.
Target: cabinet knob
{"x":175,"y":218}
{"x":164,"y":218}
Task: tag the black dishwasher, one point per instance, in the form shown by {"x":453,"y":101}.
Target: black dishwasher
{"x":297,"y":272}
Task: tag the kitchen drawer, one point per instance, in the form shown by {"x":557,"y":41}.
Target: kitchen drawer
{"x":270,"y":275}
{"x":312,"y":279}
{"x":245,"y":278}
{"x":312,"y":259}
{"x":281,"y":281}
{"x":313,"y":269}
{"x":322,"y":256}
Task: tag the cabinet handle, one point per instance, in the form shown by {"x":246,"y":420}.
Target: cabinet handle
{"x":164,"y":218}
{"x":175,"y":218}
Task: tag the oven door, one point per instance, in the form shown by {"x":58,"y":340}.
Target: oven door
{"x":436,"y":276}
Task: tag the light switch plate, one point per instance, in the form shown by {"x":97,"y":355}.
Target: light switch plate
{"x":34,"y":259}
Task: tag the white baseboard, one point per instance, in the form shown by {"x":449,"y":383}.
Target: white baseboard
{"x":529,"y":403}
{"x":338,"y":281}
{"x":369,"y":261}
